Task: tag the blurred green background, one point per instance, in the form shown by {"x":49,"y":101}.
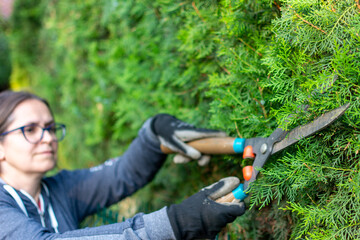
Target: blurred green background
{"x":241,"y":66}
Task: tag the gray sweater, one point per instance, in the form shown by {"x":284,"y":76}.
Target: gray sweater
{"x":70,"y":196}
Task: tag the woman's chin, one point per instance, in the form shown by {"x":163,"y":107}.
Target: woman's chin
{"x":47,"y":163}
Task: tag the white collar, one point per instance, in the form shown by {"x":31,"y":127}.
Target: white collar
{"x":16,"y":197}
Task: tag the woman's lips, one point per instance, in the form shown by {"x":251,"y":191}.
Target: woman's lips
{"x":46,"y":152}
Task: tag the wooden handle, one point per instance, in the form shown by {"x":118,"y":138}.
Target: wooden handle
{"x":221,"y":145}
{"x":226,"y":199}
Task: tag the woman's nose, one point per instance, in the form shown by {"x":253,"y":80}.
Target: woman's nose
{"x":47,"y":136}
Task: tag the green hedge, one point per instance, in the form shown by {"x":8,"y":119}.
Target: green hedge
{"x":5,"y":63}
{"x":241,"y":66}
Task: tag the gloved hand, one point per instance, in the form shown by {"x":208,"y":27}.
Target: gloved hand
{"x":173,"y":132}
{"x":200,"y":217}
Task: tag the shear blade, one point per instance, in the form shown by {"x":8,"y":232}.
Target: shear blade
{"x":308,"y":129}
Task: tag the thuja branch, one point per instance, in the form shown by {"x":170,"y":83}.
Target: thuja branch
{"x":307,"y":22}
{"x":250,"y":47}
{"x":337,"y":22}
{"x":236,"y":100}
{"x":332,"y":168}
{"x":262,"y":107}
{"x":277,"y":5}
{"x":237,"y":130}
{"x":197,"y":11}
{"x":311,"y":169}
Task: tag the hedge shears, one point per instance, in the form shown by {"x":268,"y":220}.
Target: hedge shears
{"x":260,"y":149}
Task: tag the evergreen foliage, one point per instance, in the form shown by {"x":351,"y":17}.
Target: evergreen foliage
{"x":5,"y":63}
{"x":241,"y":66}
{"x":315,"y":43}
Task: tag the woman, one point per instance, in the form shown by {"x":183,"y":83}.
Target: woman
{"x":36,"y":207}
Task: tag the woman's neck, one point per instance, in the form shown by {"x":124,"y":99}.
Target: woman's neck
{"x":29,"y":184}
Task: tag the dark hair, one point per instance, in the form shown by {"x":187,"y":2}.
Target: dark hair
{"x":9,"y":100}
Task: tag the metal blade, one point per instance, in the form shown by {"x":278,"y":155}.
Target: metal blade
{"x":306,"y":130}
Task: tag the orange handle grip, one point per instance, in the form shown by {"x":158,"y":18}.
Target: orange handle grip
{"x":248,"y":152}
{"x":247,"y":172}
{"x":239,"y":192}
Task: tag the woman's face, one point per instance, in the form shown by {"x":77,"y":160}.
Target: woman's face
{"x":17,"y":153}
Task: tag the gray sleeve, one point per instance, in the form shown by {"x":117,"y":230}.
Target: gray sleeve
{"x":157,"y":225}
{"x":89,"y":190}
{"x":153,"y":226}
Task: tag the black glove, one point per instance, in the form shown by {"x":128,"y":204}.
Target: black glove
{"x":173,"y":132}
{"x":200,"y":217}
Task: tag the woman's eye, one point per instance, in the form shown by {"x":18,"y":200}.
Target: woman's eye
{"x":30,"y":129}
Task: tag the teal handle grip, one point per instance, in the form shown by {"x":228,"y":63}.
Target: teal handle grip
{"x":239,"y":145}
{"x":239,"y":192}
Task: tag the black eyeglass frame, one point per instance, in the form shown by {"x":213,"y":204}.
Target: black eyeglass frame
{"x":48,"y":128}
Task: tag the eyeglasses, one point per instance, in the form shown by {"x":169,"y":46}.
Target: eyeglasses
{"x":33,"y":133}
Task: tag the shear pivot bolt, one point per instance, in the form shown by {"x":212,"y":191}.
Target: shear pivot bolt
{"x":263,"y":148}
